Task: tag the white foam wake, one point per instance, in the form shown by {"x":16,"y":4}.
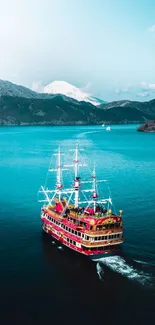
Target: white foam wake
{"x":60,"y":247}
{"x":141,"y":262}
{"x":82,"y":135}
{"x":119,"y":265}
{"x":100,"y":271}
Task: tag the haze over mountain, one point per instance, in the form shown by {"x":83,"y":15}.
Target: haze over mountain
{"x":8,"y":88}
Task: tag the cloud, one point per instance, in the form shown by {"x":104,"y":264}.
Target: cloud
{"x":151,"y":30}
{"x":123,"y":90}
{"x":147,"y":86}
{"x":143,"y":94}
{"x":143,"y":89}
{"x":37,"y":86}
{"x":87,"y":88}
{"x":146,"y":89}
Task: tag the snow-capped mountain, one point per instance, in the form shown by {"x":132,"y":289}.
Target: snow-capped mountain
{"x":64,"y":88}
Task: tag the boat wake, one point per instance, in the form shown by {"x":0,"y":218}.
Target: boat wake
{"x":60,"y":247}
{"x":119,"y":265}
{"x":83,"y":134}
{"x":100,"y":271}
{"x":143,"y":263}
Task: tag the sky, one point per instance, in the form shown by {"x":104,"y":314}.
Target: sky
{"x":104,"y":46}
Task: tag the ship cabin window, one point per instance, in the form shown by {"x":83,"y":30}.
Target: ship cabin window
{"x":75,"y":232}
{"x":107,"y":237}
{"x":68,"y":239}
{"x":87,"y":237}
{"x":117,"y":224}
{"x":79,"y":234}
{"x":83,"y":224}
{"x":74,"y":243}
{"x":91,"y":227}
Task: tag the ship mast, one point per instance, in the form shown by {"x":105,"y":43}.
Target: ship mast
{"x":76,"y":177}
{"x":59,"y":182}
{"x":94,"y":195}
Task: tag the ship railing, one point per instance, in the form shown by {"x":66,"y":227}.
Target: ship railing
{"x":82,"y":214}
{"x":102,"y":243}
{"x":104,"y":232}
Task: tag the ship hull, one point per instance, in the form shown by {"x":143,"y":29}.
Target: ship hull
{"x":98,"y":256}
{"x":91,"y":256}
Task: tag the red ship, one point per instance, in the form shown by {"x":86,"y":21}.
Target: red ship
{"x":87,"y":226}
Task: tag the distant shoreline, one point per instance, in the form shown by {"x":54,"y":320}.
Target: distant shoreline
{"x":75,"y":124}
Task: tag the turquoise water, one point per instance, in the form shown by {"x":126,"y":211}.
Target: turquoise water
{"x":126,"y":158}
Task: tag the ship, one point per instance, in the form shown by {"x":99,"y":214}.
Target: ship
{"x":108,"y":128}
{"x":88,"y":226}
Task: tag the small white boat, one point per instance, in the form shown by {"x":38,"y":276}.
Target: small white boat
{"x":103,"y":124}
{"x":108,"y":128}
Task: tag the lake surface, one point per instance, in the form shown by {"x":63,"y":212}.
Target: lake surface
{"x":44,"y":283}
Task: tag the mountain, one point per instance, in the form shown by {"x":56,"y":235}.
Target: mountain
{"x":8,"y":88}
{"x":64,"y":88}
{"x":22,"y":106}
{"x":60,"y":110}
{"x":127,"y":105}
